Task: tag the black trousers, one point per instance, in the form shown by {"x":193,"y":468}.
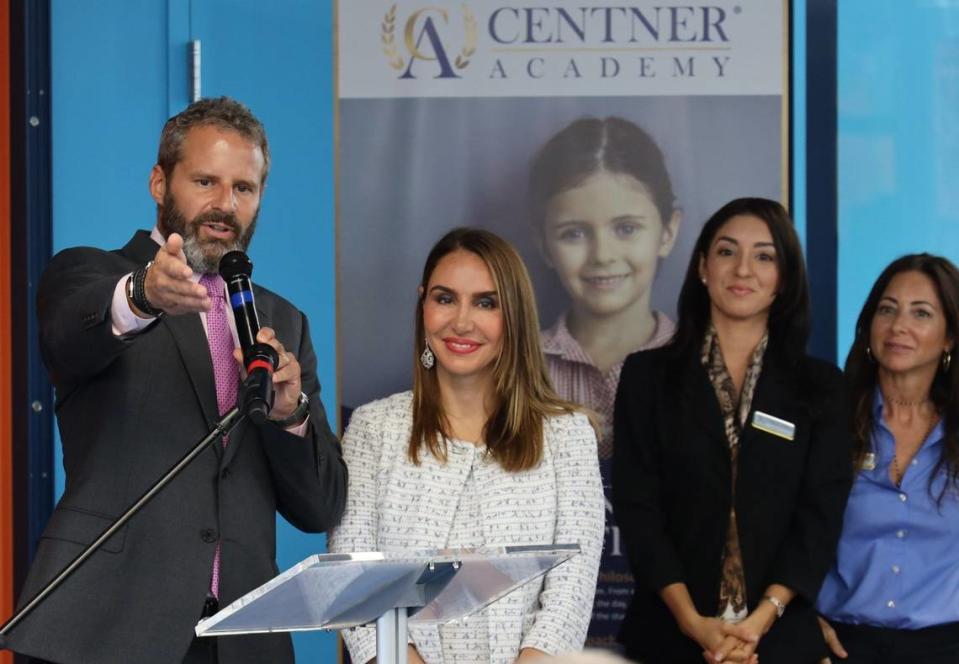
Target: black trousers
{"x":880,"y":645}
{"x":201,"y":651}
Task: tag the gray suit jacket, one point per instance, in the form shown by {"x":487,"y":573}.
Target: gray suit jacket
{"x":128,"y":408}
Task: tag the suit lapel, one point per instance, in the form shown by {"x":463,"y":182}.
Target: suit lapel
{"x":188,"y":336}
{"x":701,"y":406}
{"x":141,"y":248}
{"x":266,"y":320}
{"x":772,"y":395}
{"x":187,"y":332}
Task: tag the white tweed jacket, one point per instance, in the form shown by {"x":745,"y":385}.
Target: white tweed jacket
{"x":393,"y":505}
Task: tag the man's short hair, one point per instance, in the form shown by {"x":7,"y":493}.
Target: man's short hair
{"x":221,"y":112}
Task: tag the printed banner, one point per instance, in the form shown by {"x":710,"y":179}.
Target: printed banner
{"x":596,"y":138}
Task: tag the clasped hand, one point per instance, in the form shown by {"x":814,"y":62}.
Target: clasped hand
{"x":832,"y":640}
{"x":729,"y":642}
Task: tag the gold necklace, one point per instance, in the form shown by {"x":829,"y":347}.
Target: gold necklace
{"x":899,"y":402}
{"x":900,"y":474}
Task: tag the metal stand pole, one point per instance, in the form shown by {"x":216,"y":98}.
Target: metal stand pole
{"x":222,"y":428}
{"x":391,"y":638}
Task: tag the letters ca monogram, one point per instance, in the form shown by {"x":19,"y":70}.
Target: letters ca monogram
{"x":427,"y":31}
{"x":422,"y":39}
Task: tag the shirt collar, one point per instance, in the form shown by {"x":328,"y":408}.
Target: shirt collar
{"x":933,"y":438}
{"x":557,"y":340}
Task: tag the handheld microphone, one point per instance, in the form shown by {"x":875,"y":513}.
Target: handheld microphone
{"x":256,"y":393}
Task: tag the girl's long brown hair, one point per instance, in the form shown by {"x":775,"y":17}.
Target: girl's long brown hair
{"x":523,"y":395}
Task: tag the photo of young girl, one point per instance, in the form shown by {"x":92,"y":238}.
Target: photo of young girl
{"x":604,"y":214}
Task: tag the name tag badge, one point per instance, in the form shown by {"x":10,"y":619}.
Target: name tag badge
{"x":774,"y":425}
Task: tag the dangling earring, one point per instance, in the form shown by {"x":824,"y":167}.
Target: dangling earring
{"x":946,"y":361}
{"x":427,"y":359}
{"x":869,"y":354}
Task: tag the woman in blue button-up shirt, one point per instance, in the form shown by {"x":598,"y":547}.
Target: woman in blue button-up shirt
{"x":893,"y":594}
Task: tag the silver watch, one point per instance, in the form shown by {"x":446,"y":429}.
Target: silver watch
{"x":298,"y":415}
{"x":778,"y":603}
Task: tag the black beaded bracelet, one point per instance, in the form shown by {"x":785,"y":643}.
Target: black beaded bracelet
{"x":139,"y":292}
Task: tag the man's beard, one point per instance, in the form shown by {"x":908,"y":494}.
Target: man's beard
{"x":203,"y":254}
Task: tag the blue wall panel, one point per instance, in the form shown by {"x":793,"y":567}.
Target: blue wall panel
{"x":120,"y":69}
{"x":109,"y":82}
{"x":798,"y":116}
{"x":108,"y":102}
{"x":898,"y":140}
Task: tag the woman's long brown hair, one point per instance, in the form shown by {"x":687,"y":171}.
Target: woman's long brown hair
{"x":862,"y":375}
{"x":523,"y":396}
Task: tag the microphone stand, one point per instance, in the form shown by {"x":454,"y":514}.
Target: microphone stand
{"x":222,"y":428}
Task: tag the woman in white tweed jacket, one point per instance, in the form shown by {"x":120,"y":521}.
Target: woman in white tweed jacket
{"x":481,"y":452}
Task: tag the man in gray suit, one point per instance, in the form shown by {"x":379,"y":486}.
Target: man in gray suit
{"x":140,"y":345}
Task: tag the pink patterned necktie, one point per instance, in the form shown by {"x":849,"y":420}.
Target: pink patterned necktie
{"x":226,"y":373}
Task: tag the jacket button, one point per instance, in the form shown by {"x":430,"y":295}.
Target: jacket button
{"x":225,"y":473}
{"x":208,"y":535}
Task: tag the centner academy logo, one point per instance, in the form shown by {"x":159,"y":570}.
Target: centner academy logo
{"x":426,"y":42}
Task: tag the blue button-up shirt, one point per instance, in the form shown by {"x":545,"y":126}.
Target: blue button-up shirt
{"x":898,"y":557}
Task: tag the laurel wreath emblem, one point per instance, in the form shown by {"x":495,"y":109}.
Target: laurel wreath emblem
{"x":392,"y":53}
{"x":469,"y":42}
{"x":388,"y":39}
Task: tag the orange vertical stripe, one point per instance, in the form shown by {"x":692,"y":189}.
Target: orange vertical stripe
{"x":6,"y":379}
